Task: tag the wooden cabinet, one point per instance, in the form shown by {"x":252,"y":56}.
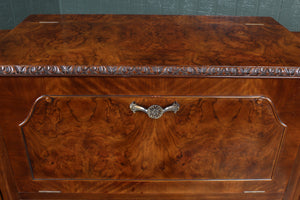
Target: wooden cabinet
{"x":98,"y":137}
{"x":149,"y":107}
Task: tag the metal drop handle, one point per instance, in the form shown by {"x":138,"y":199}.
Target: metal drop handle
{"x":154,"y":111}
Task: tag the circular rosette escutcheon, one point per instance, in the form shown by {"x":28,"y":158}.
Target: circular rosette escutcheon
{"x":155,"y":111}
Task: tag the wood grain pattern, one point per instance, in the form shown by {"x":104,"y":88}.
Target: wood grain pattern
{"x":72,"y":41}
{"x":151,"y":196}
{"x":130,"y":40}
{"x":297,"y":34}
{"x":293,"y":189}
{"x":19,"y":94}
{"x":8,"y":188}
{"x":100,"y":138}
{"x":3,"y":33}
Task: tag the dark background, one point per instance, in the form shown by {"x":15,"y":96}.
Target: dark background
{"x":286,"y":12}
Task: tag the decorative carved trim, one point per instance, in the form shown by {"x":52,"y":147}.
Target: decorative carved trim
{"x":205,"y":71}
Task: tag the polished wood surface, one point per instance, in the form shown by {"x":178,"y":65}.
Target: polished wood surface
{"x":100,"y":138}
{"x":293,"y":189}
{"x":257,"y":148}
{"x":3,"y":33}
{"x":134,"y":40}
{"x":152,"y":197}
{"x":18,"y":96}
{"x":8,"y":189}
{"x":297,"y":34}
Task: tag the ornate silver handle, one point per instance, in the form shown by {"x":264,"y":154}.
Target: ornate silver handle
{"x":154,"y":111}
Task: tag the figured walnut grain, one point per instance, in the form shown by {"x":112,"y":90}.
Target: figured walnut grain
{"x":3,"y":33}
{"x":100,"y":138}
{"x":137,"y":41}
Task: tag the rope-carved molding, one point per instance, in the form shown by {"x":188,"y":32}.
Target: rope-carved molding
{"x":214,"y":71}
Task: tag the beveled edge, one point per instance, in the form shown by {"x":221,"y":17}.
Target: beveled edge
{"x":49,"y":98}
{"x":32,"y":109}
{"x":182,"y":71}
{"x":276,"y":115}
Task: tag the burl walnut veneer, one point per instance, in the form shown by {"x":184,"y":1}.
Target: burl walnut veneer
{"x":149,"y":107}
{"x":3,"y":33}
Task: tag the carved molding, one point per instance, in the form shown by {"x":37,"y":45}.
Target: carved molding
{"x":209,"y":71}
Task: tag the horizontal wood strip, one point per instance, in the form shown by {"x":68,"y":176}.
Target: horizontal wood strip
{"x":78,"y":196}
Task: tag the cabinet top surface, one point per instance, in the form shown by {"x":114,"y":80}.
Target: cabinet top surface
{"x":149,"y":40}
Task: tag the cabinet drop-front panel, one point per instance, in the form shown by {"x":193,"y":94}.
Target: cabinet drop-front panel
{"x":101,"y":138}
